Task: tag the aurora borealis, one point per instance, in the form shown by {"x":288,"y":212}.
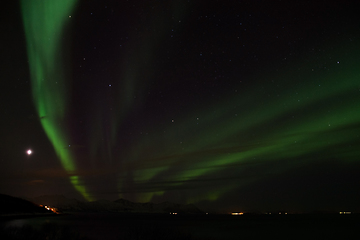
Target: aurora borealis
{"x":243,"y":105}
{"x":44,"y":24}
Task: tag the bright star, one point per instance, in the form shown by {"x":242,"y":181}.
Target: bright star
{"x":29,"y":152}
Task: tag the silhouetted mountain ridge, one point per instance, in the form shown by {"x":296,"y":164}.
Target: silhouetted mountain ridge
{"x":121,"y":205}
{"x":16,"y":206}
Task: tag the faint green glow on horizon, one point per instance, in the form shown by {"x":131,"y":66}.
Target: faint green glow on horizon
{"x":44,"y":23}
{"x":275,"y":119}
{"x":318,"y":117}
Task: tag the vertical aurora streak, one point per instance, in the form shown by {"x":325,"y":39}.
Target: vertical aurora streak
{"x":44,"y":24}
{"x":168,"y":101}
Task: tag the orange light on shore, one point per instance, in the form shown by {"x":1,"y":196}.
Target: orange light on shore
{"x":55,"y":210}
{"x":237,"y":213}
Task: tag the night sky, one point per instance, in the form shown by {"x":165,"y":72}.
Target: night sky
{"x":229,"y":105}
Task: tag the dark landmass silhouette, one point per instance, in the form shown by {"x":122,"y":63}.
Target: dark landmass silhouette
{"x":64,"y":204}
{"x":16,"y":206}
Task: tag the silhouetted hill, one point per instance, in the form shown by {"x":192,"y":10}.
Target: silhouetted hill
{"x":13,"y":206}
{"x":121,"y":205}
{"x":58,"y":201}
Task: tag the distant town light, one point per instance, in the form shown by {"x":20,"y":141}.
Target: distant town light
{"x":237,"y":213}
{"x":55,"y":210}
{"x":345,"y":212}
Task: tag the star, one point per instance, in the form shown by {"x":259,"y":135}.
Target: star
{"x":29,"y":152}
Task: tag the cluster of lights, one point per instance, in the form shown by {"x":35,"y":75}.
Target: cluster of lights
{"x":50,"y":209}
{"x":345,"y":212}
{"x":237,"y":213}
{"x":174,"y":213}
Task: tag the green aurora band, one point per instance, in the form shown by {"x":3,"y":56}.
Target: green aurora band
{"x":278,"y":121}
{"x":301,"y":125}
{"x":44,"y":23}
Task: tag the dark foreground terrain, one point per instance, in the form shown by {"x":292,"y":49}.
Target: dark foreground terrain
{"x":151,"y":226}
